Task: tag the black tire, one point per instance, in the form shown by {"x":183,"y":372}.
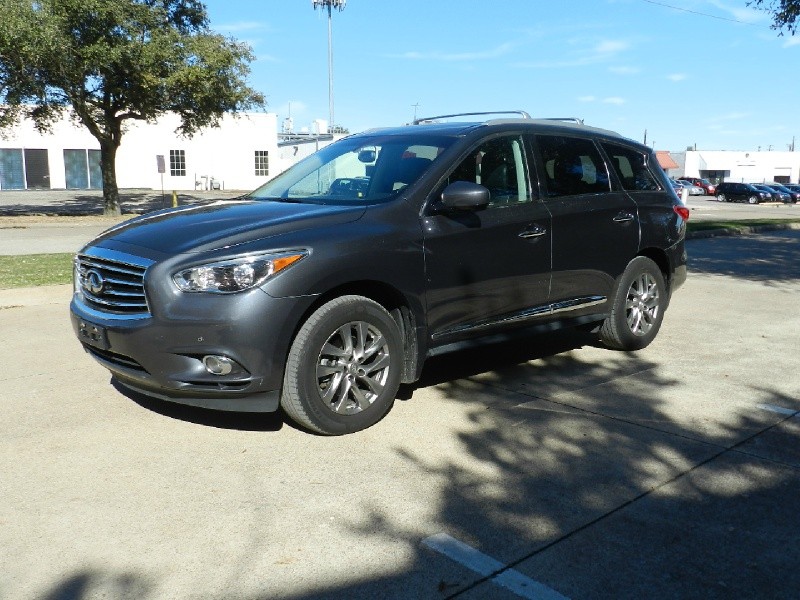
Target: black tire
{"x":721,"y":198}
{"x":638,"y":308}
{"x":343,"y":369}
{"x":752,"y":200}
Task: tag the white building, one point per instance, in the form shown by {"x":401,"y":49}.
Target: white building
{"x":241,"y":154}
{"x":740,"y":167}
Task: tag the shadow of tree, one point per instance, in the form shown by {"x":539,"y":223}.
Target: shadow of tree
{"x":579,"y":470}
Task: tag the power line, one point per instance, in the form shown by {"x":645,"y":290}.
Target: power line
{"x":695,"y":12}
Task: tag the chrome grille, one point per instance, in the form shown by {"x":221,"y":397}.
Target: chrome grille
{"x":111,"y":285}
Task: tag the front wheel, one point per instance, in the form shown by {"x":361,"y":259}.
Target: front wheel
{"x":343,"y":369}
{"x":638,"y":308}
{"x":721,"y":198}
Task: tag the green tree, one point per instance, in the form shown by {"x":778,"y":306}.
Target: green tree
{"x":111,"y":61}
{"x":784,"y":13}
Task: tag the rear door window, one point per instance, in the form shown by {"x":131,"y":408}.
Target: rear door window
{"x":572,"y":166}
{"x":631,"y":167}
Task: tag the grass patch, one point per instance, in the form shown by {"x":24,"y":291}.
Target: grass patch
{"x":736,"y":225}
{"x":35,"y":269}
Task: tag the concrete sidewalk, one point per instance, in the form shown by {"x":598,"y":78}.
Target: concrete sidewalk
{"x":90,"y":202}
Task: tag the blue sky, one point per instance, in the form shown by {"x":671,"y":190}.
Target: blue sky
{"x":723,"y":80}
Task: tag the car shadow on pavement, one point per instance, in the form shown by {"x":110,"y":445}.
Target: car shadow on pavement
{"x":500,"y":353}
{"x":239,"y":421}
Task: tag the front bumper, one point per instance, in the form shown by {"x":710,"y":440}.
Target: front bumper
{"x":161,"y":354}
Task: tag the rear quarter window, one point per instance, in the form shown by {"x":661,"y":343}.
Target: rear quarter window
{"x":631,"y":168}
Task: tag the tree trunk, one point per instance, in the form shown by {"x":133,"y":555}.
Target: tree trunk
{"x":108,"y":165}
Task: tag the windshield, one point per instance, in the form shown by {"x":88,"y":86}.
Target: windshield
{"x":358,"y":170}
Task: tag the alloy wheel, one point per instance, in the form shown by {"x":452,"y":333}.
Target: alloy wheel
{"x":642,"y":305}
{"x":353,"y":367}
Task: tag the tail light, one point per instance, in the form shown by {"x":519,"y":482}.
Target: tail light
{"x":682,"y":212}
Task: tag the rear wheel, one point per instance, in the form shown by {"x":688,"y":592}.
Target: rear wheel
{"x":638,"y":308}
{"x":752,"y":200}
{"x":721,"y":198}
{"x":343,"y":369}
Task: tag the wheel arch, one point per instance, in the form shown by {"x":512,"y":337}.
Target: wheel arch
{"x":396,"y":303}
{"x":658,"y":256}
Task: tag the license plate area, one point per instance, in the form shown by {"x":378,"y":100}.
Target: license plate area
{"x":92,"y":334}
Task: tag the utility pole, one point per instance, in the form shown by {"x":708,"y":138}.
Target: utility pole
{"x":330,"y":5}
{"x":416,"y":106}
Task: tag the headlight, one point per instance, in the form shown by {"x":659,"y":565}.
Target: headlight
{"x":235,"y":275}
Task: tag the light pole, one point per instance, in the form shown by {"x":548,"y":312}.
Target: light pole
{"x":330,"y":5}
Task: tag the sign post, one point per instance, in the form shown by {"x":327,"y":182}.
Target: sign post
{"x":162,"y":167}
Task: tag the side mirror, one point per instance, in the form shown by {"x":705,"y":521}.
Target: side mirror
{"x":465,"y":195}
{"x":367,"y":155}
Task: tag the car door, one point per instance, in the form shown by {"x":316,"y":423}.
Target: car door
{"x":595,"y":228}
{"x":487,"y":268}
{"x":636,"y":170}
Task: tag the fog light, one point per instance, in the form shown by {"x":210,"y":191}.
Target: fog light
{"x":218,"y":365}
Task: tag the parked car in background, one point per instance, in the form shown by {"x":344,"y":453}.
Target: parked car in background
{"x":729,"y":191}
{"x":330,"y":285}
{"x":690,"y":187}
{"x":708,"y":187}
{"x":777,"y":195}
{"x":795,"y":187}
{"x":793,"y":194}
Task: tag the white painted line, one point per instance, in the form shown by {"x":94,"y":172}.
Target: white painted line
{"x":777,"y":409}
{"x":512,"y":580}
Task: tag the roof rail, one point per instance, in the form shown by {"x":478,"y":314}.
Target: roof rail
{"x":567,"y":119}
{"x":520,"y":113}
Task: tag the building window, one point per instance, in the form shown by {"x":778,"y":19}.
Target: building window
{"x":262,"y":163}
{"x":177,"y":163}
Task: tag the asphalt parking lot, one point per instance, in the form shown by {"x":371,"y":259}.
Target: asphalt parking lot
{"x":546,"y":468}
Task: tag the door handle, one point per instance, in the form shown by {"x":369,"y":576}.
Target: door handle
{"x":623,"y":217}
{"x":533,"y":232}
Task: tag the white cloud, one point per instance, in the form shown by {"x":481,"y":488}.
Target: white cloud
{"x":610,"y":47}
{"x":676,"y":77}
{"x":587,"y":99}
{"x":792,"y":41}
{"x":580,"y":53}
{"x":240,"y":26}
{"x":614,"y":100}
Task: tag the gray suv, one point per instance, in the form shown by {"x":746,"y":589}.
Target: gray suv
{"x":326,"y":288}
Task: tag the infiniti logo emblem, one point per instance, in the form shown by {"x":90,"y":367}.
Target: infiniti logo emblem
{"x":94,"y":282}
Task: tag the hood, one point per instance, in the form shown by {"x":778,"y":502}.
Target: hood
{"x":222,"y":224}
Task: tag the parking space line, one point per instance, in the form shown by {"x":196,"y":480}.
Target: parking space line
{"x":778,"y":409}
{"x":476,"y":561}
